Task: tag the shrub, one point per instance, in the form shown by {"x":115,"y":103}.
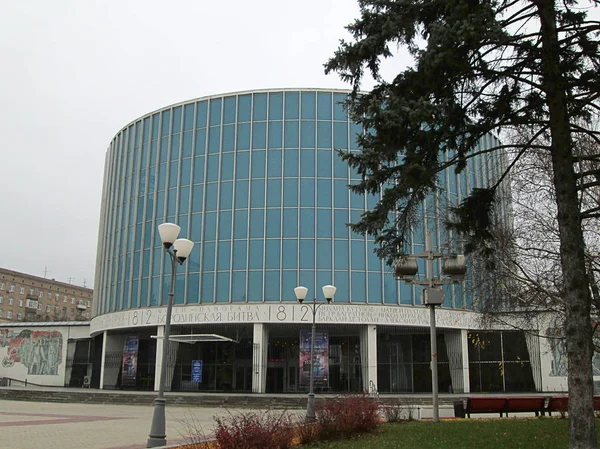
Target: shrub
{"x":307,"y":432}
{"x":345,"y":416}
{"x":402,"y":410}
{"x":254,"y":430}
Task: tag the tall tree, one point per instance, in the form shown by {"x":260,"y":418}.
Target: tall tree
{"x":480,"y":66}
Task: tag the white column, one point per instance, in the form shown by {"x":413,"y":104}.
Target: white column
{"x":102,"y":360}
{"x":259,"y":358}
{"x":158,"y":361}
{"x":113,"y":350}
{"x":465,"y":359}
{"x":371,"y":335}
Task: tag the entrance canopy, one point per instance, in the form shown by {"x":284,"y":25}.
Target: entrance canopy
{"x":193,"y":338}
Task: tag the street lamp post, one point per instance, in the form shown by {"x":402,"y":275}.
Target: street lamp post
{"x":453,"y":266}
{"x":178,"y":250}
{"x":328,"y":292}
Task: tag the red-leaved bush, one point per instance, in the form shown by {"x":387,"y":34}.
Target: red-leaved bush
{"x":345,"y":416}
{"x":254,"y":430}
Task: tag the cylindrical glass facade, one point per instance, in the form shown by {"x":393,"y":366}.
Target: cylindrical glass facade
{"x":254,"y":179}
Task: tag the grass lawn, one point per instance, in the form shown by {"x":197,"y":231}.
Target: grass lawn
{"x":505,"y":433}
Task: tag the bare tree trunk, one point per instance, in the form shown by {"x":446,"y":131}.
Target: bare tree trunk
{"x":578,"y":329}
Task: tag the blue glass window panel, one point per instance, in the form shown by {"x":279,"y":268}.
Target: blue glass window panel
{"x":458,"y":297}
{"x":418,"y":234}
{"x":227,"y":167}
{"x":339,"y":111}
{"x":357,"y":201}
{"x":289,"y":278}
{"x":375,"y":294}
{"x":229,"y":110}
{"x":406,"y":293}
{"x":355,"y":218}
{"x":200,"y":146}
{"x":155,"y":125}
{"x":242,"y":165}
{"x":273,"y":228}
{"x":324,"y":134}
{"x":341,"y":254}
{"x":208,"y":288}
{"x":239,"y":254}
{"x":447,"y":289}
{"x":243,"y":136}
{"x":188,"y":117}
{"x":340,"y":194}
{"x":272,"y":285}
{"x":196,"y":229}
{"x":307,"y":223}
{"x":155,"y":292}
{"x":176,"y":120}
{"x":374,"y":262}
{"x":164,"y":149}
{"x":359,"y":288}
{"x":140,"y":210}
{"x":307,"y":277}
{"x":153,"y":153}
{"x":201,"y":116}
{"x":289,"y":253}
{"x":290,"y":222}
{"x":223,"y":255}
{"x":225,"y":225}
{"x":324,"y":163}
{"x":215,"y":111}
{"x":165,"y":122}
{"x":255,"y":286}
{"x":291,"y":134}
{"x":257,"y":193}
{"x":212,"y":171}
{"x":199,"y":170}
{"x":324,"y":192}
{"x":324,"y":223}
{"x":272,"y":253}
{"x":187,"y":144}
{"x":228,"y":137}
{"x":307,"y":253}
{"x":324,"y":256}
{"x":214,"y":137}
{"x":244,"y":105}
{"x":357,"y":257}
{"x":146,"y":130}
{"x":184,"y":201}
{"x":210,"y":226}
{"x":307,"y":134}
{"x":157,"y":260}
{"x":212,"y":192}
{"x":340,"y":167}
{"x":197,"y":198}
{"x":259,"y":110}
{"x":308,"y":105}
{"x":226,"y":198}
{"x":275,"y":106}
{"x":340,"y":136}
{"x":173,"y":172}
{"x":193,"y":288}
{"x":389,"y":289}
{"x":259,"y":135}
{"x":162,"y":176}
{"x":149,"y":207}
{"x":291,"y":105}
{"x":179,"y":288}
{"x":372,"y":200}
{"x":241,"y":194}
{"x":240,"y":224}
{"x":208,"y":256}
{"x":183,"y":224}
{"x":185,"y":172}
{"x":257,"y":223}
{"x":238,"y":286}
{"x":144,"y":298}
{"x":290,"y":192}
{"x":323,"y":106}
{"x":354,"y":130}
{"x":136,"y":262}
{"x":307,"y":192}
{"x":255,"y":254}
{"x":275,"y":134}
{"x":290,"y":163}
{"x":274,"y":161}
{"x":307,"y":163}
{"x":324,"y":277}
{"x":274,"y":187}
{"x":340,"y":220}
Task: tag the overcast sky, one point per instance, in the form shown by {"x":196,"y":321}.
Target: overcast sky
{"x":74,"y":72}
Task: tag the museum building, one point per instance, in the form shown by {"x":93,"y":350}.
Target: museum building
{"x":255,"y":180}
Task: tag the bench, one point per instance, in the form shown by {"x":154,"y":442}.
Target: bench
{"x":561,"y":404}
{"x":485,"y":405}
{"x":526,"y":404}
{"x":504,"y":405}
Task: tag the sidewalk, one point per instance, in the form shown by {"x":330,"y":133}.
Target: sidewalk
{"x":44,"y":425}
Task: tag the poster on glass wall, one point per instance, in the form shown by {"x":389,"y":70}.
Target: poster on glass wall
{"x":130,"y":356}
{"x":321,"y":359}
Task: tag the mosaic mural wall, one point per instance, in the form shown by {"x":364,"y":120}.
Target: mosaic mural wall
{"x":39,"y":351}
